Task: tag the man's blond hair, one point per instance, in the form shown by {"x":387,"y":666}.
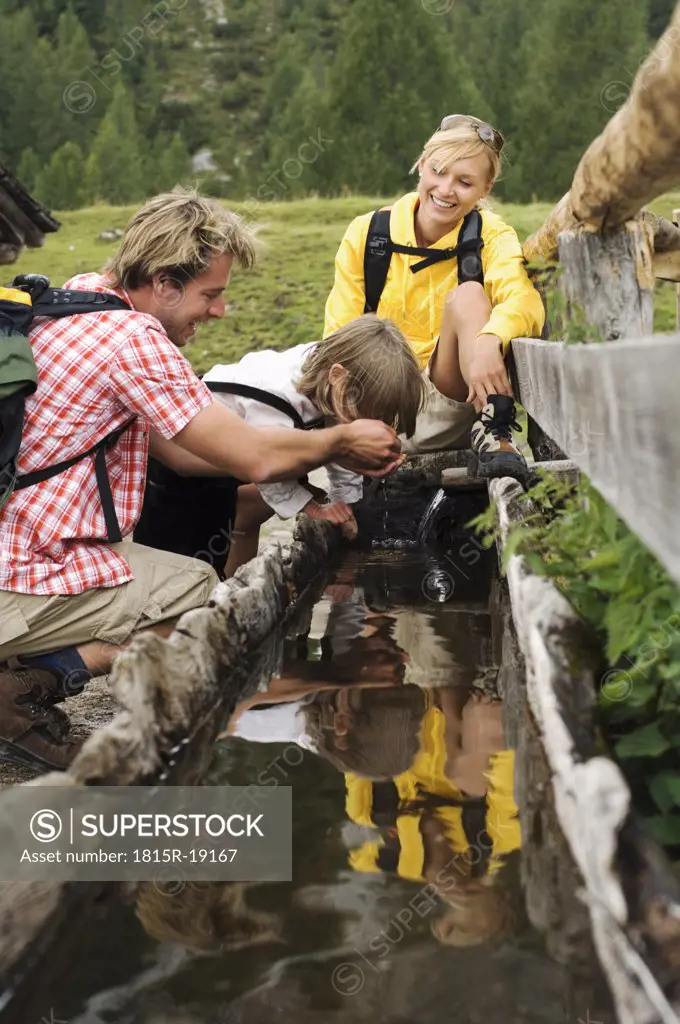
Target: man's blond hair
{"x":178,"y":233}
{"x":384,"y":381}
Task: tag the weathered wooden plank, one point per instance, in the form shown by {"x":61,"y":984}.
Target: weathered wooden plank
{"x":614,"y":410}
{"x":635,"y":158}
{"x":592,"y":800}
{"x":610,"y":279}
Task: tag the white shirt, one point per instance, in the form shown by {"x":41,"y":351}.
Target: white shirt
{"x":277,"y":372}
{"x":280,"y":723}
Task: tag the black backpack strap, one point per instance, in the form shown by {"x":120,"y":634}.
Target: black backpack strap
{"x":467,"y":251}
{"x":227,"y":387}
{"x":377,"y":255}
{"x":379,"y":249}
{"x":469,"y":247}
{"x":103,"y":483}
{"x":59,"y":302}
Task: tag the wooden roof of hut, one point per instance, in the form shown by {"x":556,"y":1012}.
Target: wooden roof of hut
{"x":23,"y":220}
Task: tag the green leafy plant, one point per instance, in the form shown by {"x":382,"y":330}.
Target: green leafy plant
{"x":573,"y":536}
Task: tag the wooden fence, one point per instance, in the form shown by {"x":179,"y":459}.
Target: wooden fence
{"x":614,"y":410}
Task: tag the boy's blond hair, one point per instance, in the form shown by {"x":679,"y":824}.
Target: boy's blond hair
{"x":178,"y":233}
{"x":458,"y":143}
{"x":384,"y":739}
{"x":384,"y":381}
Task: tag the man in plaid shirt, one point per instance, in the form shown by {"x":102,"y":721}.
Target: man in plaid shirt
{"x":69,"y":597}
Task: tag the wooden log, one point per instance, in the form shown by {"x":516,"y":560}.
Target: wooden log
{"x":458,"y":477}
{"x":676,"y":220}
{"x":592,"y":800}
{"x":667,"y":267}
{"x":614,"y":410}
{"x":16,"y":227}
{"x":634,"y":160}
{"x":610,"y":277}
{"x":665,"y":232}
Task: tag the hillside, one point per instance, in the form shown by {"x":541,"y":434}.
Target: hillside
{"x":104,"y":100}
{"x":280,"y":302}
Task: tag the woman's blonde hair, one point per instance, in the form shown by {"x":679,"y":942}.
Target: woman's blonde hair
{"x":178,"y":233}
{"x":383,"y":382}
{"x":458,"y":143}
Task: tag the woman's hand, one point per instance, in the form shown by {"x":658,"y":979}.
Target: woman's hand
{"x":487,"y":371}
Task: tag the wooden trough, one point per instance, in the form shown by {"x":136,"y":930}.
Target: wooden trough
{"x":177,"y":695}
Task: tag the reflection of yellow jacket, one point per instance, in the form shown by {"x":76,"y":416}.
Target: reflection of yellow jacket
{"x":415,"y":301}
{"x":426,"y":776}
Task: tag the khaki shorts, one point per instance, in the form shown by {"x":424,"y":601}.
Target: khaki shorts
{"x":164,"y":586}
{"x":442,"y":423}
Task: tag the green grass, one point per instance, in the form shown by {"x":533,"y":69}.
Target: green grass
{"x":281,"y":302}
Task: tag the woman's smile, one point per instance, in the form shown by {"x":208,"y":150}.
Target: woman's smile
{"x":442,"y":204}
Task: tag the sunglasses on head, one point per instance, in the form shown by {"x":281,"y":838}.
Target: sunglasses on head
{"x":491,"y":136}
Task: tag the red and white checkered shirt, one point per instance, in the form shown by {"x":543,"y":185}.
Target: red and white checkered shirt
{"x":95,"y":371}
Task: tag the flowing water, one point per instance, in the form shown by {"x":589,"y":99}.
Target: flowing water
{"x":405,"y":903}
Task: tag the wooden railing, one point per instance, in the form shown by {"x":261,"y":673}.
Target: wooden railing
{"x":613,"y":409}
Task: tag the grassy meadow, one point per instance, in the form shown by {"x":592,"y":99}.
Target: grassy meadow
{"x":281,"y":301}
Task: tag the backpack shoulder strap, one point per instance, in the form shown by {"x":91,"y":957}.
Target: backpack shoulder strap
{"x":377,"y":256}
{"x":226,"y":387}
{"x":59,"y":302}
{"x":469,"y":249}
{"x":103,"y":484}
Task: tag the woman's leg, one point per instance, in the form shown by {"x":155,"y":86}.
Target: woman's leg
{"x":251,"y":512}
{"x":466,"y":312}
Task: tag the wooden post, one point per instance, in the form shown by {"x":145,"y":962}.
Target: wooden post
{"x":611,"y":278}
{"x":676,"y":220}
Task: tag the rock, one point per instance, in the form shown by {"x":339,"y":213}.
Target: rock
{"x":111,"y":235}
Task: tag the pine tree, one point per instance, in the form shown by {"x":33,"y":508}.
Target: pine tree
{"x":170,"y":163}
{"x":580,"y":62}
{"x":394,"y":77}
{"x":23,"y":57}
{"x":60,"y":184}
{"x":114,"y":171}
{"x":30,"y":166}
{"x":71,"y":97}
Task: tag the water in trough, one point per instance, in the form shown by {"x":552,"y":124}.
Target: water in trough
{"x":387,"y":725}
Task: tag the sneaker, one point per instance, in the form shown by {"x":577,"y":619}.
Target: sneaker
{"x":494,"y":453}
{"x":32,"y":732}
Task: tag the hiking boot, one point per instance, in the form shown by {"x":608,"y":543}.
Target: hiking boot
{"x":61,"y":688}
{"x":494,"y":453}
{"x":32,"y":732}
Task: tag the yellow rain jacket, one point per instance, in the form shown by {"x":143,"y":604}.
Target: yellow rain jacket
{"x":415,"y":302}
{"x":426,"y":775}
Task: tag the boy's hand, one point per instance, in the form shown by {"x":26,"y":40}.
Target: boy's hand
{"x":337,"y":512}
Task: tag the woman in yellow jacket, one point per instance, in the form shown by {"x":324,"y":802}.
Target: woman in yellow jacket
{"x":460,"y":333}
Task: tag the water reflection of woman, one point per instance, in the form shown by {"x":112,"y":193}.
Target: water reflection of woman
{"x":449,"y":819}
